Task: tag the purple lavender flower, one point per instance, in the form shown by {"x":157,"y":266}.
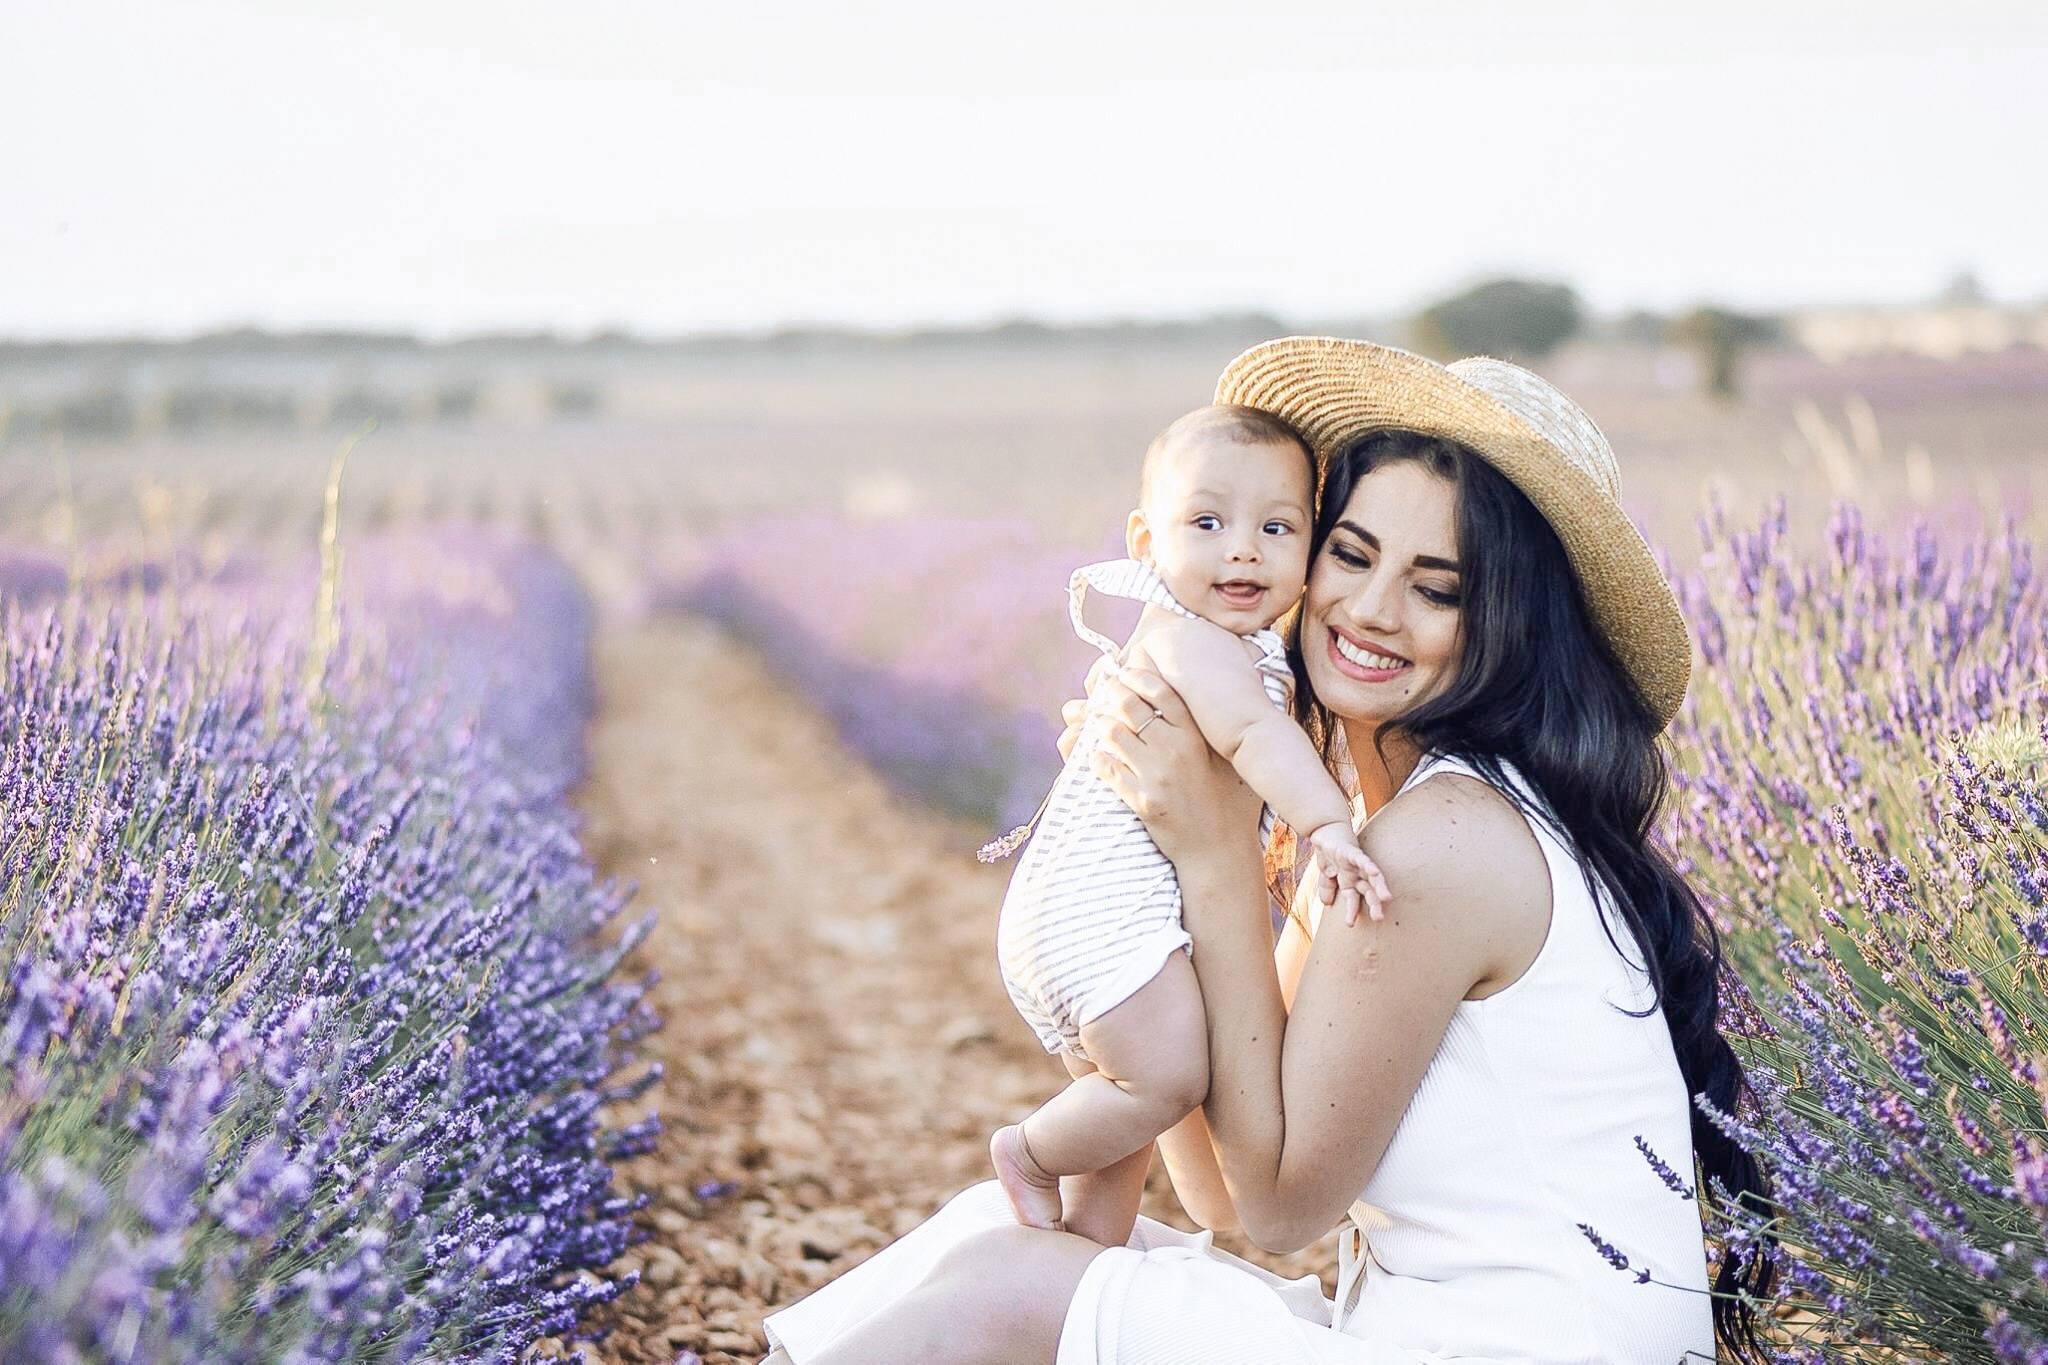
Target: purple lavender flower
{"x":1872,"y":856}
{"x":308,"y":1006}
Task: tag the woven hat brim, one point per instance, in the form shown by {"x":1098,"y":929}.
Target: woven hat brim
{"x":1334,"y":389}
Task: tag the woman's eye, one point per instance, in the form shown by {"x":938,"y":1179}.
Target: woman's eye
{"x":1347,"y":558}
{"x":1439,"y":596}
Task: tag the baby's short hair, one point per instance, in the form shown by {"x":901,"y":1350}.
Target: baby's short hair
{"x":1234,"y":422}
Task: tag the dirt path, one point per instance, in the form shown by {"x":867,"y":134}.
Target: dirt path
{"x":838,"y":1045}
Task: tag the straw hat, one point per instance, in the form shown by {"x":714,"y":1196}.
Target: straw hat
{"x":1333,"y":390}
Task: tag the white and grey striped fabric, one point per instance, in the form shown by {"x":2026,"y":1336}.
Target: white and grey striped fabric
{"x":1093,"y":909}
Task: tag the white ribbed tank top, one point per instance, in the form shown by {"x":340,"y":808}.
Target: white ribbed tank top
{"x":1523,"y":1127}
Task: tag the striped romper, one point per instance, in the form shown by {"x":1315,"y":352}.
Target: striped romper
{"x":1093,"y":908}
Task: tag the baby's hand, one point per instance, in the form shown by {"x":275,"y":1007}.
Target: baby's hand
{"x":1344,"y":876}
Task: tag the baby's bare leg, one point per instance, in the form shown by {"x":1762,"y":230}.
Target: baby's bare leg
{"x":1151,"y":1055}
{"x":1099,"y":1205}
{"x":1103,"y":1205}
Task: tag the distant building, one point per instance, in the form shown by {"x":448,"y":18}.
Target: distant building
{"x":1942,"y":331}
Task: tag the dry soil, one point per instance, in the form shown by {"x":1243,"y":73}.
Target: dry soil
{"x":838,"y":1045}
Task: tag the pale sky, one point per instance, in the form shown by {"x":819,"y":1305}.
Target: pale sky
{"x":451,"y":165}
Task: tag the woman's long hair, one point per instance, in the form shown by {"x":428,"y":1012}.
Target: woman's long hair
{"x":1538,"y":687}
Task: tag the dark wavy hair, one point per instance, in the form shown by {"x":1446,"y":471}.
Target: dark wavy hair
{"x":1538,"y":687}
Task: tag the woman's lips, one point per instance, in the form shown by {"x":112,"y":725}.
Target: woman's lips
{"x":1350,"y":668}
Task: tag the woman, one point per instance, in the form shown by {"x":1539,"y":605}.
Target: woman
{"x":1503,"y":1065}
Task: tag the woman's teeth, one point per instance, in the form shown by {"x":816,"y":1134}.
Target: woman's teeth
{"x":1365,"y":658}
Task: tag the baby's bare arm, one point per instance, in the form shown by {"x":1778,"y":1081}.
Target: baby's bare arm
{"x":1210,"y":669}
{"x":1277,"y":760}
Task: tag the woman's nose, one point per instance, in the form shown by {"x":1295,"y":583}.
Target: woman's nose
{"x":1376,"y":603}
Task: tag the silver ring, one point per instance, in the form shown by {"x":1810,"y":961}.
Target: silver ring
{"x":1157,"y":714}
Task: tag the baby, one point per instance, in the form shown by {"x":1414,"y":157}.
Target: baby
{"x":1090,"y":939}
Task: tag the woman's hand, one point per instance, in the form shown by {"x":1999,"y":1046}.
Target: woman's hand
{"x":1152,"y":755}
{"x":1075,"y":712}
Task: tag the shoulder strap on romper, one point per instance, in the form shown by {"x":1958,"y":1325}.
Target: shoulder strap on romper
{"x":1272,"y":660}
{"x":1127,"y":578}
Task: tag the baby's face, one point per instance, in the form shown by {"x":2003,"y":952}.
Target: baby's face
{"x":1227,"y":527}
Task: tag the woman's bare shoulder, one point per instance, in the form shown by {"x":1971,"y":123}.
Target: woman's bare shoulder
{"x":1454,"y":846}
{"x":1448,"y":813}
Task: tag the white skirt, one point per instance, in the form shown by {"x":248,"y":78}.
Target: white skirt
{"x":1167,"y":1298}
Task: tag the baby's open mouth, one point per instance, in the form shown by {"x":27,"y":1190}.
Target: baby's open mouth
{"x":1240,"y":592}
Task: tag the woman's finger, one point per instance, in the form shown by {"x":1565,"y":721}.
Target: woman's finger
{"x":1073,"y":714}
{"x":1156,"y":693}
{"x":1104,"y":684}
{"x":1132,"y":713}
{"x":1116,"y":774}
{"x":1104,"y":663}
{"x":1106,"y":694}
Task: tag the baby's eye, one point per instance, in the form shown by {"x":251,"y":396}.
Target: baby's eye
{"x":1209,"y":521}
{"x":1279,"y":528}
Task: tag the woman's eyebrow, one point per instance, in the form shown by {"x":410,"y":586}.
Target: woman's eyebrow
{"x":1373,"y":542}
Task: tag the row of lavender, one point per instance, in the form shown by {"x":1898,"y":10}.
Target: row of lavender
{"x":308,"y":1019}
{"x":1862,"y":796}
{"x":939,"y":647}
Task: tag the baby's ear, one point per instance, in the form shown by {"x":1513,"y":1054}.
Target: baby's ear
{"x":1137,"y":535}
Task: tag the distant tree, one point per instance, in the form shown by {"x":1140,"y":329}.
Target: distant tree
{"x":108,"y":413}
{"x":1641,"y":327}
{"x":360,"y":404}
{"x":190,"y":407}
{"x":456,"y":400}
{"x":197,"y":406}
{"x":275,"y":408}
{"x":1963,"y":290}
{"x":574,"y":399}
{"x":1525,"y":319}
{"x":1719,"y":336}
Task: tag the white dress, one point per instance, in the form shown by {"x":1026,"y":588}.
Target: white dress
{"x":1093,"y":910}
{"x":1465,"y":1248}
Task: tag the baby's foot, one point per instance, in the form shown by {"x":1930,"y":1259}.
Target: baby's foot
{"x":1034,"y":1194}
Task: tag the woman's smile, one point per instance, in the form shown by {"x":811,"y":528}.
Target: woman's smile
{"x":1356,"y":659}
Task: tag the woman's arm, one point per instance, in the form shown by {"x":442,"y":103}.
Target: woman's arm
{"x":1301,"y":1107}
{"x":1188,"y":1149}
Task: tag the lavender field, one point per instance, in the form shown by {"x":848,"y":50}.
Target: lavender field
{"x":328,"y":1034}
{"x":308,"y":1017}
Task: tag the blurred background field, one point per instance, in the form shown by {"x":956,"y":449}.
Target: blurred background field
{"x":228,"y":437}
{"x":891,"y":516}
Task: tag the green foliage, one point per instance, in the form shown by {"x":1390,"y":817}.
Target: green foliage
{"x":1718,"y":336}
{"x":1522,"y":319}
